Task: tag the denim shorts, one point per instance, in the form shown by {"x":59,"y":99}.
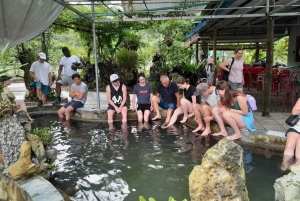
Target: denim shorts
{"x":43,"y":87}
{"x":165,"y":105}
{"x":235,"y":85}
{"x":74,"y":104}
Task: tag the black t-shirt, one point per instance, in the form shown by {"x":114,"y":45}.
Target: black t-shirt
{"x":168,"y":94}
{"x":189,"y":93}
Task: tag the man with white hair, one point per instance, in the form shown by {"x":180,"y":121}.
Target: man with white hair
{"x":167,"y":97}
{"x":40,"y":71}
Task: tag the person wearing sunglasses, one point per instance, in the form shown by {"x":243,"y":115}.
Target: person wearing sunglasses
{"x":116,"y":93}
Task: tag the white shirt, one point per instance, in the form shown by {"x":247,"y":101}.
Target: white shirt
{"x":212,"y":99}
{"x":67,"y":62}
{"x":41,"y":71}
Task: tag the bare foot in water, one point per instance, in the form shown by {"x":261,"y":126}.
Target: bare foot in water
{"x":184,"y":119}
{"x":220,"y":134}
{"x":206,"y":132}
{"x":199,"y":128}
{"x":235,"y":136}
{"x":165,"y":125}
{"x":156,"y":117}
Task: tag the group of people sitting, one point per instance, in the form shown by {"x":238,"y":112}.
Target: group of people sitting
{"x":220,"y":103}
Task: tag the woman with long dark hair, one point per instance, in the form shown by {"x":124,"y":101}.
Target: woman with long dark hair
{"x":235,"y":111}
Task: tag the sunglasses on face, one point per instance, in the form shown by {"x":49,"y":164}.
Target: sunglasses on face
{"x":115,"y":80}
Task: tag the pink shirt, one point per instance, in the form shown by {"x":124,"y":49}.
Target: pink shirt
{"x":236,"y":72}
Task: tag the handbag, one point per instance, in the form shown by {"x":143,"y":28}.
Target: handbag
{"x":225,"y":74}
{"x":292,"y":120}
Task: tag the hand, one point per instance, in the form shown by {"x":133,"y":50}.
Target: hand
{"x":74,"y":67}
{"x":58,"y":78}
{"x":222,"y":109}
{"x":151,"y":107}
{"x":50,"y":83}
{"x":243,"y":82}
{"x":36,"y":80}
{"x":117,"y":110}
{"x":133,"y":108}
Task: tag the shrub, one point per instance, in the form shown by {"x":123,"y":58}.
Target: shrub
{"x":45,"y":135}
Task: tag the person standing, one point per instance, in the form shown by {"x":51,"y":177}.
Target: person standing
{"x":70,"y":63}
{"x":78,"y":93}
{"x":167,"y":97}
{"x":143,"y":92}
{"x":40,"y":71}
{"x":116,"y":93}
{"x":236,"y":76}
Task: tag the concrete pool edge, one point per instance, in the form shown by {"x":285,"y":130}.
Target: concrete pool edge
{"x":261,"y":138}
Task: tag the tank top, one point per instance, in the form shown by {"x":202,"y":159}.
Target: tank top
{"x":116,"y":95}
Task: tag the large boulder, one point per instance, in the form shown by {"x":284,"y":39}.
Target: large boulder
{"x":37,"y":148}
{"x":287,"y":188}
{"x":221,"y":175}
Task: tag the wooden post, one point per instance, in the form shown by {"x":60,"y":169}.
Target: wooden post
{"x":215,"y":56}
{"x":197,"y":52}
{"x":269,"y":63}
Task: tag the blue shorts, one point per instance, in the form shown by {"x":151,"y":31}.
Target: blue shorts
{"x":40,"y":85}
{"x":74,"y":104}
{"x":235,"y":85}
{"x":165,"y":105}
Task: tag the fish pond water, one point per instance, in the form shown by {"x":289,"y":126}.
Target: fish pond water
{"x":97,"y":161}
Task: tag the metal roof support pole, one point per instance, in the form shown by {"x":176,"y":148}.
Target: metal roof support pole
{"x":95,"y":56}
{"x":269,"y":64}
{"x":215,"y":54}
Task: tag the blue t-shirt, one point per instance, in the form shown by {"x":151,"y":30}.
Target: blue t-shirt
{"x":168,"y":94}
{"x":143,"y":93}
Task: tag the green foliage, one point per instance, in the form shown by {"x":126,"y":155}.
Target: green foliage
{"x":141,"y":198}
{"x":191,"y":67}
{"x":51,"y":166}
{"x":127,"y":59}
{"x":44,"y":134}
{"x":132,"y":41}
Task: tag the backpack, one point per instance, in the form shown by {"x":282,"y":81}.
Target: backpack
{"x":252,"y":102}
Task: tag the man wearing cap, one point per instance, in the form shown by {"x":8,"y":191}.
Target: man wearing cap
{"x":143,"y":92}
{"x":167,"y":97}
{"x":116,"y":93}
{"x":209,"y":99}
{"x":7,"y":96}
{"x":40,"y":71}
{"x":70,"y":63}
{"x":78,"y":93}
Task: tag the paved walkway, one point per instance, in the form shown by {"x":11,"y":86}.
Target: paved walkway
{"x":273,"y":125}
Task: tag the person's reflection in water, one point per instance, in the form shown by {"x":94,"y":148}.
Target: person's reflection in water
{"x":111,"y":136}
{"x":199,"y":148}
{"x":66,"y":124}
{"x":124,"y":128}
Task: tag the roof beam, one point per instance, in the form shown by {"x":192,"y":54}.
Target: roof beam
{"x":283,"y":7}
{"x":61,"y":2}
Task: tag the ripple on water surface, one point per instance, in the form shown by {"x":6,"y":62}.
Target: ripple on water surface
{"x":122,"y":162}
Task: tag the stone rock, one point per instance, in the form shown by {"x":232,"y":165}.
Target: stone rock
{"x":37,"y":148}
{"x":51,"y":155}
{"x":221,"y":176}
{"x":21,"y":116}
{"x":27,"y":128}
{"x":11,"y":137}
{"x":1,"y":159}
{"x":24,"y":166}
{"x":287,"y":188}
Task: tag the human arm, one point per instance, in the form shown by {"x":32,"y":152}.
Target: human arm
{"x":194,"y":99}
{"x":59,"y":72}
{"x":296,"y":108}
{"x":33,"y":76}
{"x":133,"y":101}
{"x":224,"y":65}
{"x":124,"y":90}
{"x":50,"y":79}
{"x":178,"y":99}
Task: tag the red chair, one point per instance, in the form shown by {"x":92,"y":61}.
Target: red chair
{"x":251,"y":82}
{"x":287,"y":88}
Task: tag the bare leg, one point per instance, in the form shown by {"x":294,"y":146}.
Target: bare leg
{"x":197,"y":111}
{"x":61,"y":112}
{"x":58,"y":89}
{"x":140,"y":115}
{"x":124,"y":114}
{"x":110,"y":115}
{"x":207,"y":113}
{"x":22,"y":106}
{"x":187,"y":109}
{"x":218,"y":117}
{"x":155,"y":101}
{"x":169,"y":114}
{"x":39,"y":92}
{"x":236,"y":122}
{"x":174,"y":117}
{"x":146,"y":115}
{"x":68,"y":111}
{"x":44,"y":98}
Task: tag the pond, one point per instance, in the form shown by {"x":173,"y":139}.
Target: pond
{"x":123,"y":161}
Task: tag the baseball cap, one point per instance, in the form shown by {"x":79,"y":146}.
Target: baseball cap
{"x":114,"y":77}
{"x":4,"y":78}
{"x":42,"y":55}
{"x":200,"y":89}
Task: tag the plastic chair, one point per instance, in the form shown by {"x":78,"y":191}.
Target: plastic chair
{"x":287,"y":88}
{"x":251,"y":81}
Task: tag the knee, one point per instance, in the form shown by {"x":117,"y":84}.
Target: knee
{"x":154,"y":98}
{"x":183,"y":101}
{"x":215,"y":110}
{"x":291,"y":145}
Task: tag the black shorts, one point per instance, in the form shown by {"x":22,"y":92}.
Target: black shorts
{"x":110,"y":107}
{"x":143,"y":107}
{"x":291,"y":130}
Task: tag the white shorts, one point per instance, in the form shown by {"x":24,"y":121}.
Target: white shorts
{"x":66,"y":80}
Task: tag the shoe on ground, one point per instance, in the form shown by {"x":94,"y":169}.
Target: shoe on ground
{"x":56,"y":102}
{"x":40,"y":103}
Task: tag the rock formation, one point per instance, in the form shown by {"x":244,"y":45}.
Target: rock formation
{"x":221,"y":176}
{"x":287,"y":188}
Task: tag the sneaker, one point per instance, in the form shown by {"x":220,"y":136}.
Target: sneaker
{"x":56,"y":101}
{"x":40,"y":103}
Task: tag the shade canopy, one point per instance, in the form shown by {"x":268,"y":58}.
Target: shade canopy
{"x":22,"y":20}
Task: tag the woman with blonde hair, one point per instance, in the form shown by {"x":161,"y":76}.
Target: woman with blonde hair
{"x":187,"y":101}
{"x":235,"y":110}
